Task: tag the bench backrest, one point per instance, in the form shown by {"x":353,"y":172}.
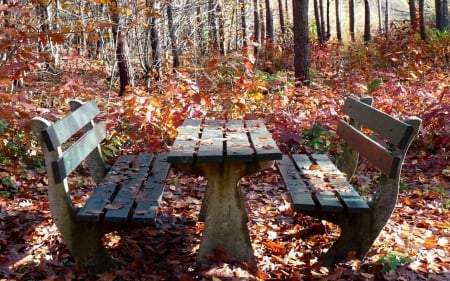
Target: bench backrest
{"x":386,"y":150}
{"x":69,"y":141}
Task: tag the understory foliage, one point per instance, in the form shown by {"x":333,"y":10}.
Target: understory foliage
{"x":404,"y":75}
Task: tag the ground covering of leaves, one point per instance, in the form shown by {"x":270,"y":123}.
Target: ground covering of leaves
{"x":414,"y":245}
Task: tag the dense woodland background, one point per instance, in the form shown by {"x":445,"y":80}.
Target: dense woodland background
{"x":150,"y":64}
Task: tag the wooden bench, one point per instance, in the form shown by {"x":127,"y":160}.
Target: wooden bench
{"x":319,"y":188}
{"x":127,"y":194}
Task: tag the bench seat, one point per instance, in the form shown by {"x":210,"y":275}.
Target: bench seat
{"x":315,"y":184}
{"x":130,"y":193}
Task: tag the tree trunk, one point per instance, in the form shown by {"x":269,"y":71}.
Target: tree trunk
{"x":269,"y":22}
{"x":367,"y":35}
{"x":380,"y":26}
{"x":221,"y":29}
{"x":423,"y":35}
{"x":322,"y":21}
{"x":282,"y":24}
{"x":386,"y":18}
{"x":351,"y":13}
{"x":412,"y":14}
{"x":243,"y":23}
{"x":301,"y":41}
{"x":338,"y":20}
{"x":173,"y":45}
{"x":318,"y":22}
{"x":256,"y":27}
{"x":328,"y":33}
{"x":213,"y":34}
{"x":441,"y":14}
{"x":120,"y":40}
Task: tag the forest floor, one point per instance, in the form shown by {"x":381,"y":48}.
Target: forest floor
{"x":414,"y":245}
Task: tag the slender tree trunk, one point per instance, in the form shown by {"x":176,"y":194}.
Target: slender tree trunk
{"x":386,"y":18}
{"x":221,"y":30}
{"x":412,"y":14}
{"x":367,"y":35}
{"x":269,"y":22}
{"x":322,"y":21}
{"x":441,"y":14}
{"x":423,"y":35}
{"x":200,"y":27}
{"x":282,"y":24}
{"x":320,"y":36}
{"x":351,"y":13}
{"x":173,"y":43}
{"x":213,"y":33}
{"x":256,"y":28}
{"x":328,"y":21}
{"x":243,"y":23}
{"x":120,"y":40}
{"x":380,"y":21}
{"x":301,"y":41}
{"x":337,"y":4}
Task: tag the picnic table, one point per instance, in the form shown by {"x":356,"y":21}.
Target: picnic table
{"x":224,"y":151}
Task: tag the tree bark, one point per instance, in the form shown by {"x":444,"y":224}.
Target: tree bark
{"x":423,"y":35}
{"x":386,"y":18}
{"x":351,"y":13}
{"x":318,"y":22}
{"x":281,"y":11}
{"x":338,"y":20}
{"x":243,"y":23}
{"x":173,"y":44}
{"x":301,"y":41}
{"x":269,"y":22}
{"x":120,"y":40}
{"x":256,"y":28}
{"x":441,"y":14}
{"x":367,"y":35}
{"x":328,"y":32}
{"x":412,"y":14}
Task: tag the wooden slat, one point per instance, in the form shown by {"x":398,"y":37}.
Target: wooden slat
{"x":349,"y":197}
{"x":212,"y":142}
{"x":265,"y":146}
{"x":75,"y":154}
{"x":94,"y":209}
{"x":62,"y":130}
{"x":370,"y":149}
{"x":148,"y":201}
{"x":120,"y":207}
{"x":298,"y":191}
{"x":183,"y":149}
{"x":395,"y":131}
{"x":322,"y":191}
{"x":237,"y":143}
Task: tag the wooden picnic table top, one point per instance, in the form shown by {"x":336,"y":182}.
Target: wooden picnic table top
{"x":223,"y":140}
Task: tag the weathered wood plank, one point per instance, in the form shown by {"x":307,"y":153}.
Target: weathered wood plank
{"x":148,"y":201}
{"x":237,"y":142}
{"x":298,"y":191}
{"x":184,"y":147}
{"x":94,"y":209}
{"x":265,"y":146}
{"x":395,"y":131}
{"x":322,"y":190}
{"x":369,"y":149}
{"x":120,"y":207}
{"x":350,"y":198}
{"x":212,"y":142}
{"x":62,"y":130}
{"x":75,"y":154}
